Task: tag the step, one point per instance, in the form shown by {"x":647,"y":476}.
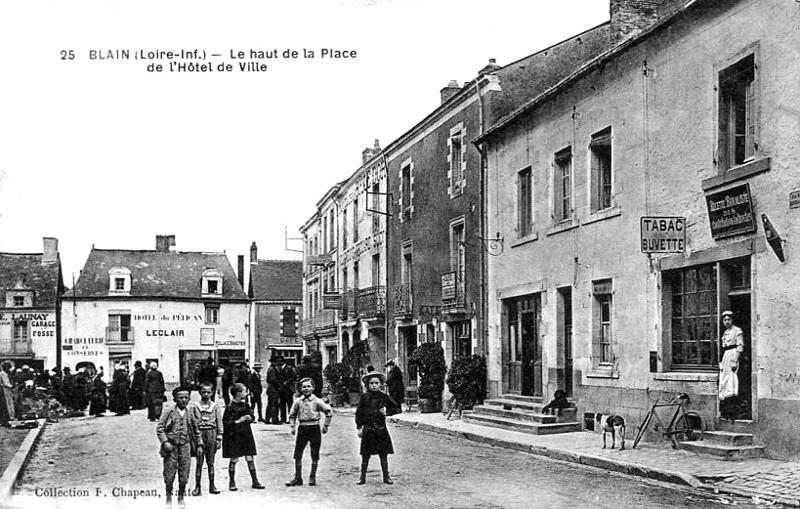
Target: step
{"x":530,"y":428}
{"x":520,"y":397}
{"x":510,"y":404}
{"x":724,"y":451}
{"x":520,"y":415}
{"x":736,"y":426}
{"x":729,"y":438}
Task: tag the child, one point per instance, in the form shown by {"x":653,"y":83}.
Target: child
{"x":179,"y":434}
{"x":373,"y":407}
{"x":209,"y":417}
{"x":237,"y":437}
{"x":307,"y":408}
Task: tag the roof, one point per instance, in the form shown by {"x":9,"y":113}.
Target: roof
{"x":156,"y":274}
{"x":667,"y":14}
{"x":27,"y":269}
{"x":277,"y":280}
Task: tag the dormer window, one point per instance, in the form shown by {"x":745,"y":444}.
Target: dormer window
{"x":19,"y":298}
{"x":119,"y":281}
{"x":19,"y":301}
{"x":212,"y":282}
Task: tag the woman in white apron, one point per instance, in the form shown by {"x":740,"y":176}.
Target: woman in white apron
{"x":732,"y":348}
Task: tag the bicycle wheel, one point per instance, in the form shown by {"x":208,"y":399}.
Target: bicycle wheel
{"x":689,"y":427}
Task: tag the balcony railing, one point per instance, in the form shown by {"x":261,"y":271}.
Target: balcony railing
{"x":403,"y":300}
{"x":324,"y":319}
{"x":453,"y":292}
{"x":119,"y":334}
{"x":372,"y":302}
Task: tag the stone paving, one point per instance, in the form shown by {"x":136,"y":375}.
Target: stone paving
{"x":758,"y":478}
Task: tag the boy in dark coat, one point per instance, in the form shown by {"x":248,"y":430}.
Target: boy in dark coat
{"x":373,"y":407}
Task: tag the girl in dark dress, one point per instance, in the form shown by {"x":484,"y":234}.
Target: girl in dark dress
{"x":373,"y":407}
{"x":98,"y":396}
{"x":237,"y":437}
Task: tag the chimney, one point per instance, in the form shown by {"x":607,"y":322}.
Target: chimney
{"x":629,"y":17}
{"x":253,"y":253}
{"x":369,"y":153}
{"x":449,"y":91}
{"x":489,"y":68}
{"x":50,"y":254}
{"x":164,"y":242}
{"x":240,"y":260}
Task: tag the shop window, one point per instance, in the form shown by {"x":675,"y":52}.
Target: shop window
{"x":737,"y":113}
{"x":693,"y":317}
{"x":602,"y":170}
{"x":603,"y":331}
{"x":562,"y":186}
{"x":212,"y":314}
{"x":524,"y":202}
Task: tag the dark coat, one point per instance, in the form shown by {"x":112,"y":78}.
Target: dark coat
{"x":237,"y":439}
{"x":99,"y":400}
{"x":280,"y":380}
{"x":255,"y":386}
{"x":395,"y":385}
{"x":118,"y":393}
{"x":375,"y":438}
{"x":154,"y":386}
{"x":137,"y":382}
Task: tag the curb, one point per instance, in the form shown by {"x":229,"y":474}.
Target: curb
{"x":748,"y":493}
{"x":18,"y":462}
{"x":563,"y":455}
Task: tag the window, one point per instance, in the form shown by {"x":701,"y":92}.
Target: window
{"x":331,"y":233}
{"x":406,"y":181}
{"x":456,"y":159}
{"x":603,"y":330}
{"x":462,"y":340}
{"x":212,"y":314}
{"x":737,"y":113}
{"x":693,"y":317}
{"x":602,"y":177}
{"x":212,"y":282}
{"x":524,"y":202}
{"x":289,"y":322}
{"x":19,"y":301}
{"x":376,"y":270}
{"x":376,"y":206}
{"x":355,"y":276}
{"x":562,"y":186}
{"x":355,"y":220}
{"x":21,"y":330}
{"x":406,"y":270}
{"x":119,"y":280}
{"x":345,"y":233}
{"x":119,"y":327}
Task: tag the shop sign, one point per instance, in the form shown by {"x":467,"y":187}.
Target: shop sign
{"x":794,"y":199}
{"x":206,"y":337}
{"x":323,"y":259}
{"x":730,"y":212}
{"x":663,"y":234}
{"x":449,"y":286}
{"x":331,"y":301}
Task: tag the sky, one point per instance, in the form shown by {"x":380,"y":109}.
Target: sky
{"x":103,"y":152}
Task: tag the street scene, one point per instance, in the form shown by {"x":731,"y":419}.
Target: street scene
{"x":305,"y":255}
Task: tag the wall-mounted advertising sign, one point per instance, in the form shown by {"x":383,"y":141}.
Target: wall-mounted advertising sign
{"x":332,"y":301}
{"x":730,"y":212}
{"x":663,"y":234}
{"x":322,"y":259}
{"x":449,"y":286}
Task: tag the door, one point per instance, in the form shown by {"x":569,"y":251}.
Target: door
{"x":566,"y":334}
{"x":742,"y":404}
{"x":531,"y":348}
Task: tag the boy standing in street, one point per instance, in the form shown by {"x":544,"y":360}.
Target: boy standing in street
{"x":179,"y":435}
{"x":307,"y":409}
{"x":208,"y":415}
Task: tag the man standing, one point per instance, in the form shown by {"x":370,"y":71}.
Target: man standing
{"x":154,"y":392}
{"x":273,"y":391}
{"x":137,"y":386}
{"x":255,"y":388}
{"x":394,"y":383}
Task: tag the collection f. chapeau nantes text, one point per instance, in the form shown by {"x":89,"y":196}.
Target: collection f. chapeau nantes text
{"x":116,"y":492}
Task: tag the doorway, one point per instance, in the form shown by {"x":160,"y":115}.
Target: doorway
{"x":565,"y":338}
{"x":408,"y":336}
{"x":735,"y":290}
{"x":524,"y":367}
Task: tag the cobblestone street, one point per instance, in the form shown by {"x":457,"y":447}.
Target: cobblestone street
{"x":87,"y":458}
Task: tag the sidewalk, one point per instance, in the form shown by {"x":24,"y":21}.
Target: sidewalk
{"x":760,"y":478}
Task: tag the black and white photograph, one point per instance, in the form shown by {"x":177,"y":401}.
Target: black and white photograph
{"x":400,"y":253}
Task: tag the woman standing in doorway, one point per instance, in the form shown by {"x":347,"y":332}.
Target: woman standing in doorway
{"x":732,"y":347}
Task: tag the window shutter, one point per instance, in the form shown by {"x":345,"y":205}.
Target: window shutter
{"x":750,"y":138}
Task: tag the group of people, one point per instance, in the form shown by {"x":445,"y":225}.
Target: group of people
{"x":200,"y":429}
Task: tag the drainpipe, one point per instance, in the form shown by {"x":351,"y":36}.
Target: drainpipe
{"x":484,"y":304}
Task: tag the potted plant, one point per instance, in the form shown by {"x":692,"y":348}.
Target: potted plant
{"x":428,"y":358}
{"x":337,"y":374}
{"x":356,"y":359}
{"x":466,"y":380}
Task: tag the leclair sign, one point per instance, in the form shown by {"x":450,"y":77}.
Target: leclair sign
{"x":663,"y":234}
{"x":730,"y":212}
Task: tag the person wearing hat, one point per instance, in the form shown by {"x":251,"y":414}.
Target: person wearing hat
{"x":373,"y":407}
{"x":394,"y":383}
{"x":179,"y":434}
{"x":256,"y":388}
{"x":154,"y":392}
{"x":732,"y":348}
{"x":137,"y":386}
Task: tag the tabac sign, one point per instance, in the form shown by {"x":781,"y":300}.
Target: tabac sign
{"x":663,"y":234}
{"x":730,"y":212}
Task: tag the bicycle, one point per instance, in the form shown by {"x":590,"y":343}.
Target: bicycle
{"x":455,"y":403}
{"x":683,"y":426}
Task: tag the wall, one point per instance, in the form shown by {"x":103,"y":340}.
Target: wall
{"x":42,"y":329}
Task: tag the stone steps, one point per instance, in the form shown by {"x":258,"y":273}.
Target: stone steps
{"x":724,"y":451}
{"x":524,"y":414}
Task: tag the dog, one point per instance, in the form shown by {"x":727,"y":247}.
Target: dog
{"x":614,"y":424}
{"x":558,"y":404}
